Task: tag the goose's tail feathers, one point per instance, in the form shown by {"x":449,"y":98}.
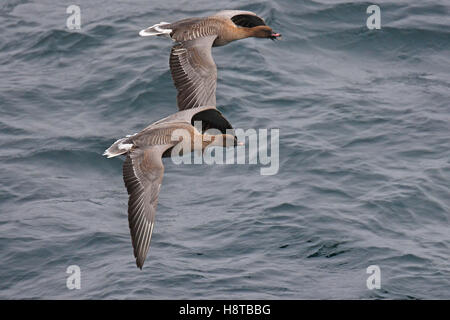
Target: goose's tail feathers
{"x":156,"y":30}
{"x":119,"y":147}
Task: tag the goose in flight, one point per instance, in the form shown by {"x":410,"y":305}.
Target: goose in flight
{"x":192,"y":66}
{"x":143,"y":168}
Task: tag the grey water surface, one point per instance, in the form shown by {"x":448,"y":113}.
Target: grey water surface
{"x":364,"y":169}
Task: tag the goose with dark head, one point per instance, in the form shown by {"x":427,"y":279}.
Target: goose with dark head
{"x":193,"y":69}
{"x":143,"y":169}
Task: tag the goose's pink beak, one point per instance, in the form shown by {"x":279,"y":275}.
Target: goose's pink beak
{"x":275,"y":36}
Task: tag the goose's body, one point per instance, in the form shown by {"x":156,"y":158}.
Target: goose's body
{"x":143,"y":169}
{"x":193,"y":69}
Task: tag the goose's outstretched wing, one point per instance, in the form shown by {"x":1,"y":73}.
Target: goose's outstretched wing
{"x":143,"y":172}
{"x":194,"y":72}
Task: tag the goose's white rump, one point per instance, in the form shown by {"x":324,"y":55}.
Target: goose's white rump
{"x":155,"y":30}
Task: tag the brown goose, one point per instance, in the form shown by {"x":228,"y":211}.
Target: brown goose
{"x":192,"y":66}
{"x":143,"y":168}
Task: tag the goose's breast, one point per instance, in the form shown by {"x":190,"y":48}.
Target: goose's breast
{"x":220,"y":41}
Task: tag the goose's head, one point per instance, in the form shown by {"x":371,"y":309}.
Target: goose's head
{"x":223,"y":140}
{"x":265,"y":32}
